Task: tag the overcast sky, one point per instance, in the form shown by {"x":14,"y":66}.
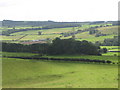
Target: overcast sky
{"x":59,"y":10}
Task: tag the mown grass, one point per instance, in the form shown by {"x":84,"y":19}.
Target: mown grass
{"x":20,"y":73}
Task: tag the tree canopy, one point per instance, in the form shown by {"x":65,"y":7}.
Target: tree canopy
{"x":70,"y":46}
{"x":57,"y":47}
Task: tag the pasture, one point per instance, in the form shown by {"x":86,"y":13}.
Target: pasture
{"x":93,"y":39}
{"x":56,"y":32}
{"x":11,"y":37}
{"x":105,"y":56}
{"x":111,"y":48}
{"x":20,"y":73}
{"x":46,"y":31}
{"x":109,"y":30}
{"x":38,"y":37}
{"x":92,"y":57}
{"x":31,"y":73}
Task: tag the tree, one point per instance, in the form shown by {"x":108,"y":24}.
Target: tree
{"x":39,"y":33}
{"x":104,"y":50}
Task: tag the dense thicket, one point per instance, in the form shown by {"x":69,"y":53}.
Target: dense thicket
{"x":58,"y":47}
{"x":70,"y":46}
{"x":34,"y":48}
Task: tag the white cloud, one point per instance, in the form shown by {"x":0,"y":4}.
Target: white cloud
{"x":59,"y":10}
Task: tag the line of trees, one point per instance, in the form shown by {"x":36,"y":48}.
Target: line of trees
{"x":57,"y":47}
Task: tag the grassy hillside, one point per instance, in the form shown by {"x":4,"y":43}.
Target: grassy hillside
{"x":20,"y":73}
{"x":37,"y":37}
{"x":31,"y":73}
{"x":112,"y":48}
{"x":46,"y":31}
{"x":93,"y":39}
{"x":109,"y":30}
{"x":11,"y":37}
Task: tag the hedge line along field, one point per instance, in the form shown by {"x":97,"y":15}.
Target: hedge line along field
{"x":56,"y":32}
{"x":111,"y":54}
{"x":116,"y":50}
{"x":111,"y":47}
{"x":91,"y":57}
{"x":105,"y":56}
{"x":46,"y":31}
{"x":20,"y":73}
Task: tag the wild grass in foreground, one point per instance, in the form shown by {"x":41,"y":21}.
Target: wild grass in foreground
{"x":20,"y":73}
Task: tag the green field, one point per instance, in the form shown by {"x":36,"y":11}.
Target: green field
{"x":111,"y":31}
{"x":92,"y":57}
{"x":91,"y":38}
{"x":20,"y":73}
{"x":38,"y":37}
{"x":30,"y":73}
{"x":111,"y":48}
{"x":11,"y":37}
{"x":46,"y":31}
{"x":106,"y":56}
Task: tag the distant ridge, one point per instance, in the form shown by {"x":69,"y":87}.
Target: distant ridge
{"x":11,"y":23}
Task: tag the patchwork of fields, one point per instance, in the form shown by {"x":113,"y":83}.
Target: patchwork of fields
{"x":111,"y":31}
{"x":31,"y":73}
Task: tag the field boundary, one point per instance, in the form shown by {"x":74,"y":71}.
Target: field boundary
{"x":68,"y":59}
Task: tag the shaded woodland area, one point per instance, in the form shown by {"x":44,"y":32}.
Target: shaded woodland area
{"x":58,"y":47}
